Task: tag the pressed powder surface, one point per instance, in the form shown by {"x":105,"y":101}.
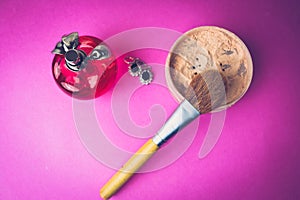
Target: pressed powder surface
{"x":209,"y":47}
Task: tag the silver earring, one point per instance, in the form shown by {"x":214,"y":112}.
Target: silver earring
{"x":146,"y":76}
{"x":136,"y":67}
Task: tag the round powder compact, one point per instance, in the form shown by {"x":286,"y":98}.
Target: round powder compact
{"x":209,"y":47}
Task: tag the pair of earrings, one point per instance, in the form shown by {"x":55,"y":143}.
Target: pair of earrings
{"x":139,"y":68}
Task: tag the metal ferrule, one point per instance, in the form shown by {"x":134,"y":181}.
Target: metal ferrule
{"x":182,"y":116}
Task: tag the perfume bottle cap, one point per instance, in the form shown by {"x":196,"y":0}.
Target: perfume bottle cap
{"x":74,"y":59}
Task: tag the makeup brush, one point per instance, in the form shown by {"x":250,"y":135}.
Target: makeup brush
{"x":206,"y":92}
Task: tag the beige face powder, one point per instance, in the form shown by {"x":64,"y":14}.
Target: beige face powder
{"x":209,"y":47}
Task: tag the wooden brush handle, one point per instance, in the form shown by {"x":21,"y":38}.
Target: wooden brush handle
{"x":131,"y":166}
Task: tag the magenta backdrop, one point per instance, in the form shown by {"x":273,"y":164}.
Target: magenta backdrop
{"x":257,"y":156}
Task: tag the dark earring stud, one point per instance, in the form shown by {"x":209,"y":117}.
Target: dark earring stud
{"x":146,"y":76}
{"x":135,"y":68}
{"x":135,"y":65}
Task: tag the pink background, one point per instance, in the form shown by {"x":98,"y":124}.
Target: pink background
{"x":257,"y":156}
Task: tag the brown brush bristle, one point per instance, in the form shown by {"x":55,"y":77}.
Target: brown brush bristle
{"x":207,"y":91}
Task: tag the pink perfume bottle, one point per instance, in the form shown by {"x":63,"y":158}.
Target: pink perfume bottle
{"x":83,"y":66}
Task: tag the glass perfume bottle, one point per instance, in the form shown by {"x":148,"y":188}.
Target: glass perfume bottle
{"x":83,"y":66}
